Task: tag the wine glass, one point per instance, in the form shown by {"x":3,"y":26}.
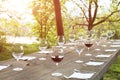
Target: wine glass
{"x":61,"y":40}
{"x":42,"y":47}
{"x":113,"y":32}
{"x":109,"y":34}
{"x":71,"y":37}
{"x":103,"y":38}
{"x":97,"y":41}
{"x":57,"y":56}
{"x":80,"y":36}
{"x":88,"y":43}
{"x":17,"y":53}
{"x":79,"y":49}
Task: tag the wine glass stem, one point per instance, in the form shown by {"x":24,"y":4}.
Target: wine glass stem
{"x":88,"y":49}
{"x":79,"y":54}
{"x":17,"y":60}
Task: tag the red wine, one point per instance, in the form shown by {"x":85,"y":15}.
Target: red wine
{"x":57,"y":58}
{"x":88,"y":45}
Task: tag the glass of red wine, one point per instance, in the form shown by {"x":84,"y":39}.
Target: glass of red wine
{"x":88,"y":43}
{"x":57,"y":56}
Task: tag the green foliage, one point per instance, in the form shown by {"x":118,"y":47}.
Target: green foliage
{"x":114,"y":71}
{"x":52,"y":36}
{"x":43,"y":12}
{"x":2,"y":41}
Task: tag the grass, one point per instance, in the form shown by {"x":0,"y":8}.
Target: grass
{"x":112,"y":74}
{"x":114,"y":71}
{"x":7,"y":54}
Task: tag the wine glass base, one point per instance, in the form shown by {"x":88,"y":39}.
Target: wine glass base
{"x":79,"y":61}
{"x":56,"y":74}
{"x":18,"y":69}
{"x":104,"y":45}
{"x":88,"y":54}
{"x":97,"y":49}
{"x":42,"y":58}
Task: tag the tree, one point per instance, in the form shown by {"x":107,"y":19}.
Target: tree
{"x":90,"y":9}
{"x":58,"y":16}
{"x":14,"y":20}
{"x":43,"y":12}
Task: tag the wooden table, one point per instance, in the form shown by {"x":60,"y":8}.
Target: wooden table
{"x":41,"y":70}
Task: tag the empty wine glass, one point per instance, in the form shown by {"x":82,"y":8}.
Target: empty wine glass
{"x":80,"y":36}
{"x":97,"y":41}
{"x":72,"y":37}
{"x":17,"y":53}
{"x":109,"y":34}
{"x":103,"y":38}
{"x":57,"y":56}
{"x":61,"y":40}
{"x":42,"y":47}
{"x":79,"y":49}
{"x":113,"y":32}
{"x":72,"y":40}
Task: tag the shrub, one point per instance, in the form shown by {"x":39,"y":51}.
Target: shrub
{"x":2,"y":41}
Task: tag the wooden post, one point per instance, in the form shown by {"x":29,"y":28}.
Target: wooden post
{"x":59,"y":24}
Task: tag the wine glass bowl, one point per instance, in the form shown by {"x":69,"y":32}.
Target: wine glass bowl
{"x":110,"y":33}
{"x":103,"y":38}
{"x":72,"y":37}
{"x":88,"y":44}
{"x":103,"y":34}
{"x":80,"y":36}
{"x":17,"y":53}
{"x":113,"y":33}
{"x":43,"y":44}
{"x":57,"y":56}
{"x":98,"y":42}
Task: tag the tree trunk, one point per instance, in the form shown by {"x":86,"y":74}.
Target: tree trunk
{"x":58,"y":17}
